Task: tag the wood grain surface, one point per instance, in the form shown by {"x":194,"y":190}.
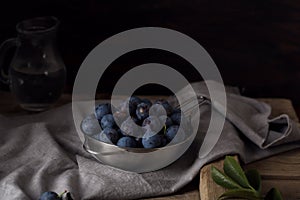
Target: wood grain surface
{"x":281,"y":171}
{"x":191,"y":195}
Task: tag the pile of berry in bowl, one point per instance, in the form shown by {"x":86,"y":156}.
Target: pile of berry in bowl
{"x":138,"y":135}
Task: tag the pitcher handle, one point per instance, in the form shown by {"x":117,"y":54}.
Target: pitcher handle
{"x":4,"y":47}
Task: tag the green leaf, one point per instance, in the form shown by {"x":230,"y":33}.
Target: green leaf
{"x":235,"y":172}
{"x":240,"y":194}
{"x":273,"y":194}
{"x":254,"y":179}
{"x":223,"y":180}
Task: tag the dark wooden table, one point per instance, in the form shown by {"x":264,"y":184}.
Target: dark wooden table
{"x":281,"y":171}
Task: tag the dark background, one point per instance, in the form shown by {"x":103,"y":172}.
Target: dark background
{"x":255,"y":44}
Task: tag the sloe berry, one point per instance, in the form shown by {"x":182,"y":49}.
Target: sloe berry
{"x":153,"y":141}
{"x":173,"y":131}
{"x":108,"y":135}
{"x":127,"y":142}
{"x":108,"y":121}
{"x":90,"y":125}
{"x":142,"y":111}
{"x":153,"y":123}
{"x":102,"y":109}
{"x":49,"y":196}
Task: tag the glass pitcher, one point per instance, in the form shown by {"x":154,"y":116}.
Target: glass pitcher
{"x":37,"y":73}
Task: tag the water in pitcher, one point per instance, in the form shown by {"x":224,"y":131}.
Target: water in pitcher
{"x":37,"y":71}
{"x":37,"y":91}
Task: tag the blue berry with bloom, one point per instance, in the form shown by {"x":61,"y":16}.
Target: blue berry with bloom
{"x":108,"y":121}
{"x":90,"y":125}
{"x":102,"y":109}
{"x":133,"y":102}
{"x":142,"y":111}
{"x":174,"y":133}
{"x":153,"y":123}
{"x":108,"y":135}
{"x":127,"y":142}
{"x":165,"y":104}
{"x":49,"y":196}
{"x":152,"y":140}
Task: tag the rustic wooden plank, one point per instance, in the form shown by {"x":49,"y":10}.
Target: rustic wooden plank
{"x":192,"y":195}
{"x":281,"y":171}
{"x":281,"y":106}
{"x":284,"y":166}
{"x":9,"y":106}
{"x":288,"y":188}
{"x":207,"y":187}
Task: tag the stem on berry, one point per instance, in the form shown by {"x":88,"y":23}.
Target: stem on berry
{"x":64,"y":192}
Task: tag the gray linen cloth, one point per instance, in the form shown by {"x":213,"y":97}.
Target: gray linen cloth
{"x":43,"y":152}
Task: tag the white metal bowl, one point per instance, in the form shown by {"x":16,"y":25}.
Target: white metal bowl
{"x":136,"y":159}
